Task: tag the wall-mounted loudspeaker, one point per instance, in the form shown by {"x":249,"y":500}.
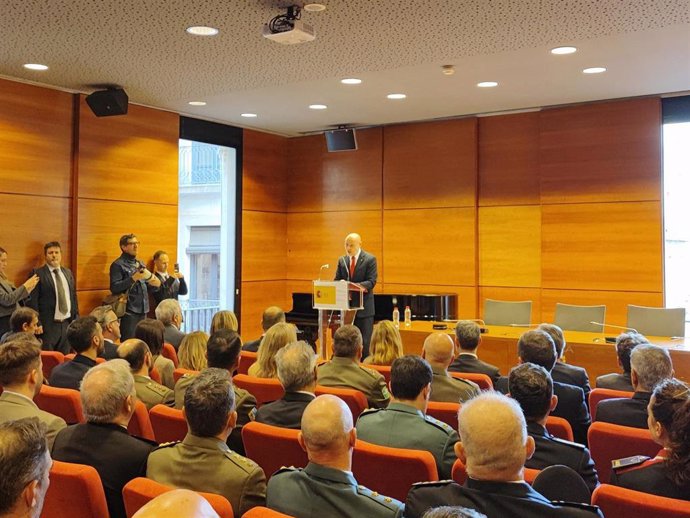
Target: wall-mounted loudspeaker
{"x":104,"y":103}
{"x":341,"y":140}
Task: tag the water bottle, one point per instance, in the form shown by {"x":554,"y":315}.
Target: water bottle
{"x":396,"y":317}
{"x":408,"y":316}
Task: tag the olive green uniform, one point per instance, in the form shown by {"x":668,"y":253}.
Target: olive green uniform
{"x":446,"y":388}
{"x":347,"y":373}
{"x":151,"y":393}
{"x":207,"y":464}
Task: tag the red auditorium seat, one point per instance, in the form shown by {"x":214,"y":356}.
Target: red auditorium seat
{"x":482,"y":380}
{"x":246,"y":360}
{"x":264,"y":390}
{"x":169,"y":352}
{"x":76,"y":491}
{"x":599,"y":394}
{"x":272,"y":447}
{"x":140,"y":424}
{"x":50,"y":360}
{"x":618,"y":502}
{"x":62,"y":402}
{"x":168,"y":424}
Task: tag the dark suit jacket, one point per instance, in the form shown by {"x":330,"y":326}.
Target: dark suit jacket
{"x":470,"y":363}
{"x":366,"y":274}
{"x":615,"y":381}
{"x":69,"y":374}
{"x":173,"y":336}
{"x":572,"y":375}
{"x":625,"y":411}
{"x":286,"y":412}
{"x":650,"y":477}
{"x":109,"y":350}
{"x":121,"y":271}
{"x":44,"y":300}
{"x":252,"y":346}
{"x":117,"y":456}
{"x":171,"y":288}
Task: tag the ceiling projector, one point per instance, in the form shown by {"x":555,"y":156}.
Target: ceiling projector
{"x":288,"y":29}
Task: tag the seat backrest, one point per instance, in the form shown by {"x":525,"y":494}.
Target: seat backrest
{"x":155,"y":376}
{"x":62,"y":402}
{"x":657,"y":321}
{"x":246,"y":360}
{"x":50,"y":360}
{"x":140,"y":424}
{"x":169,"y":352}
{"x":179,"y":372}
{"x":391,"y":471}
{"x":445,"y":412}
{"x":76,"y":491}
{"x":619,"y":502}
{"x":264,"y":512}
{"x":264,"y":390}
{"x":272,"y":447}
{"x":579,"y":318}
{"x":168,"y":424}
{"x":599,"y":394}
{"x":559,"y":427}
{"x":139,"y":491}
{"x":608,"y":442}
{"x":459,"y":473}
{"x":505,"y":313}
{"x":482,"y":380}
{"x":385,"y":370}
{"x":354,"y":399}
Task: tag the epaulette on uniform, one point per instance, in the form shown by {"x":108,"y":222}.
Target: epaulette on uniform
{"x":629,"y":462}
{"x":160,"y":390}
{"x":572,"y":444}
{"x":438,"y":424}
{"x":387,"y":501}
{"x":371,"y":372}
{"x":247,"y":465}
{"x":167,"y":445}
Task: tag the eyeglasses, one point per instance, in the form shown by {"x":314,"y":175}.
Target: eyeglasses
{"x":132,"y":243}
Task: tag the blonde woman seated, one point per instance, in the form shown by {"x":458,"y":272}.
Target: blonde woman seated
{"x":277,"y":337}
{"x":386,"y":344}
{"x":192,"y":352}
{"x":224,"y":319}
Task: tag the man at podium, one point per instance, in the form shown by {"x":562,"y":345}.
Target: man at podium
{"x":360,"y":267}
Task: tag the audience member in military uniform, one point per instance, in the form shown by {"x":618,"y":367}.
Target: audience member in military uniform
{"x":668,"y":474}
{"x":453,"y":512}
{"x":344,"y":369}
{"x":108,"y":399}
{"x":203,"y":461}
{"x":327,"y":487}
{"x":438,"y":351}
{"x":152,"y":332}
{"x":84,"y":335}
{"x":650,"y":366}
{"x":297,"y":374}
{"x":468,"y":337}
{"x":223,"y":352}
{"x":563,"y":372}
{"x":178,"y":503}
{"x":24,"y":468}
{"x":172,"y":285}
{"x":494,"y":447}
{"x":138,"y":355}
{"x":404,"y":423}
{"x":531,"y":386}
{"x":21,"y":377}
{"x":625,"y":343}
{"x":169,"y":313}
{"x":110,"y":326}
{"x":271,"y":316}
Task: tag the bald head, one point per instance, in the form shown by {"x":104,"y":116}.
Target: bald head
{"x":353,"y":243}
{"x":134,"y":351}
{"x":438,"y":349}
{"x":326,"y":425}
{"x":271,"y":316}
{"x":181,"y":503}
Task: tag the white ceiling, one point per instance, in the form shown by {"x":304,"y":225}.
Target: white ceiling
{"x":392,"y":45}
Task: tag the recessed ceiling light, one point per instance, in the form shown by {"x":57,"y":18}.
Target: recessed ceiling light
{"x":564,"y":50}
{"x":314,"y":7}
{"x":197,"y":103}
{"x":202,"y":30}
{"x":249,"y":115}
{"x":318,"y":106}
{"x":487,"y":84}
{"x":594,"y":70}
{"x":396,"y":96}
{"x":35,"y":66}
{"x":351,"y":81}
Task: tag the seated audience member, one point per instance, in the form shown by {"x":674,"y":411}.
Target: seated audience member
{"x":468,"y":337}
{"x":24,"y":468}
{"x":493,"y":446}
{"x":85,"y":337}
{"x":625,"y":343}
{"x":152,"y":333}
{"x":203,"y":461}
{"x":172,"y":285}
{"x":224,"y":319}
{"x":438,"y":351}
{"x":23,"y":320}
{"x":107,"y":398}
{"x":271,"y":316}
{"x":404,"y":424}
{"x":345,"y":371}
{"x":192,"y":352}
{"x":453,"y":512}
{"x":668,"y":474}
{"x":21,"y":377}
{"x":563,"y":372}
{"x":326,"y":487}
{"x":110,"y":327}
{"x":223,"y":352}
{"x":180,"y":503}
{"x":297,"y":374}
{"x":650,"y":365}
{"x":169,"y":313}
{"x":277,"y":337}
{"x":140,"y":360}
{"x":386,"y":344}
{"x":531,"y":386}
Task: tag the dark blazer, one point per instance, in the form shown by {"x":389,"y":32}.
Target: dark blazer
{"x":615,"y":381}
{"x":494,"y":499}
{"x":117,"y":456}
{"x":470,"y":363}
{"x":173,"y":336}
{"x":69,"y":374}
{"x":286,"y":412}
{"x":650,"y":477}
{"x":253,"y":346}
{"x":44,"y":300}
{"x":10,"y":297}
{"x":109,"y":350}
{"x":572,"y":375}
{"x":625,"y":411}
{"x":170,"y":288}
{"x":366,"y":274}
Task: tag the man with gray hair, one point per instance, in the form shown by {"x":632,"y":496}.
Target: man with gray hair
{"x":625,"y":343}
{"x":650,"y":365}
{"x":467,"y":338}
{"x":169,"y":312}
{"x":107,"y":399}
{"x":110,"y":327}
{"x":296,"y":364}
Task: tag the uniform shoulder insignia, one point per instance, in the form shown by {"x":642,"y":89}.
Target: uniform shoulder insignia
{"x":628,"y":462}
{"x":438,"y":424}
{"x":381,"y":499}
{"x":287,"y":469}
{"x":160,"y":390}
{"x":370,"y":372}
{"x":167,"y":444}
{"x":244,"y":463}
{"x":572,"y":444}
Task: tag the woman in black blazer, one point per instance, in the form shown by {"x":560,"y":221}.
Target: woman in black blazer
{"x":9,"y":294}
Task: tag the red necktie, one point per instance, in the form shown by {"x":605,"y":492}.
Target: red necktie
{"x":352,"y":267}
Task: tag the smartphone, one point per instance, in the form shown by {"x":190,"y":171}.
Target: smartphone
{"x":177,"y":267}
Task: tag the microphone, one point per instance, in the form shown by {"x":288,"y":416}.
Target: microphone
{"x":615,"y":327}
{"x":323,"y":267}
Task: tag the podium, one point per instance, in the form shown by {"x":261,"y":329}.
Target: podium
{"x":330,"y":296}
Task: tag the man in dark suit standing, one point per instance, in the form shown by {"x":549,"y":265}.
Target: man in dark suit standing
{"x":172,"y":285}
{"x":55,"y":299}
{"x":360,"y":267}
{"x":468,"y":337}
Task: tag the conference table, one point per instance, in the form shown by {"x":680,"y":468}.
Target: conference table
{"x":588,"y":350}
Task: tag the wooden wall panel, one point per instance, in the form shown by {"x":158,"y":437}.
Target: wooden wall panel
{"x":467,"y":295}
{"x":431,"y":164}
{"x":264,"y":245}
{"x":512,"y":294}
{"x":510,"y":246}
{"x":264,"y":172}
{"x":601,"y":152}
{"x":89,"y":299}
{"x":257,"y":296}
{"x":509,"y":159}
{"x":430,"y":246}
{"x":35,"y":140}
